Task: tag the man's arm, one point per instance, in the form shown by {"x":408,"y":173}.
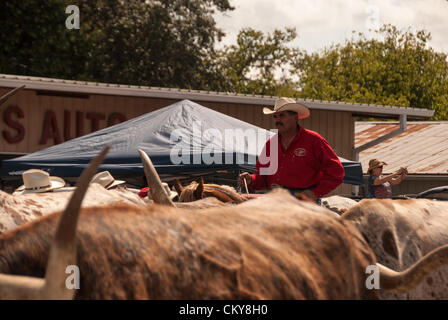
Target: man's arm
{"x":331,"y":167}
{"x":258,"y":182}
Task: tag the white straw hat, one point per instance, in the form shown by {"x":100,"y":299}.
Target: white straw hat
{"x":36,"y":181}
{"x":106,"y":180}
{"x":288,"y":104}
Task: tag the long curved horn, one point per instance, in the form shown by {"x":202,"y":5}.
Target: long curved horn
{"x":158,"y":193}
{"x":404,"y":281}
{"x":10,"y":94}
{"x":62,"y":251}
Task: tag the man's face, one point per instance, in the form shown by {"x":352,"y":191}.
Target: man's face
{"x":285,"y":121}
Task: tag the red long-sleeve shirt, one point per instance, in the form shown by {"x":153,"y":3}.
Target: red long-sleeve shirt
{"x":308,"y":161}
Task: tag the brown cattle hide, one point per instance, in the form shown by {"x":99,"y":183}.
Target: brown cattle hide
{"x":195,"y":191}
{"x":400,"y":232}
{"x":273,"y":247}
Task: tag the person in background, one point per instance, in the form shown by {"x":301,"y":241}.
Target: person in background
{"x":380,"y":186}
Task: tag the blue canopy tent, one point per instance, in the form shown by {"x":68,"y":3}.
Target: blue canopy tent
{"x":184,"y":138}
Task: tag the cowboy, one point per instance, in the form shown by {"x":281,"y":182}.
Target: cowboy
{"x":306,"y":162}
{"x":38,"y":181}
{"x":380,"y":186}
{"x":105,"y":179}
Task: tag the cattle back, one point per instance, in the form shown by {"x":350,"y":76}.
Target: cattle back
{"x":400,"y":232}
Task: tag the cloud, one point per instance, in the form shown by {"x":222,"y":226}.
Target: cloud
{"x":320,"y":23}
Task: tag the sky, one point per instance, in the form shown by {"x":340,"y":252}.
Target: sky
{"x":319,"y":23}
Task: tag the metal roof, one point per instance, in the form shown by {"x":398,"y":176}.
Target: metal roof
{"x":423,"y":148}
{"x":198,"y":95}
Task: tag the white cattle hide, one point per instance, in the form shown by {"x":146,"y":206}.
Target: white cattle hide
{"x":400,"y":232}
{"x":16,"y":210}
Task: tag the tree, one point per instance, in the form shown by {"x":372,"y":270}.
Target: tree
{"x":154,"y":43}
{"x":399,"y":70}
{"x":258,"y":63}
{"x":34,"y":40}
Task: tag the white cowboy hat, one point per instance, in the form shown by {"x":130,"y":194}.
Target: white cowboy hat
{"x":106,"y":180}
{"x":288,"y":104}
{"x":37,"y":181}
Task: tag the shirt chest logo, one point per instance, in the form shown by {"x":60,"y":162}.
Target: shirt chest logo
{"x":300,"y":152}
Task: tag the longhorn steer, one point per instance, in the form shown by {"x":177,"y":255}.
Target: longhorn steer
{"x":402,"y":231}
{"x":256,"y":250}
{"x":274,"y":247}
{"x":61,"y":254}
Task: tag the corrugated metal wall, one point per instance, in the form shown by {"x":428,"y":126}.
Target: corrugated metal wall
{"x":335,"y":126}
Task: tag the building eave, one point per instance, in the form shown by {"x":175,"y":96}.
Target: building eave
{"x":49,"y":84}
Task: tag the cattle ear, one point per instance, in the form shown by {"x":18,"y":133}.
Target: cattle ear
{"x":178,"y":186}
{"x":199,"y":190}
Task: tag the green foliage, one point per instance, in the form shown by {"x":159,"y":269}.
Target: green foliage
{"x":254,"y":63}
{"x":397,"y":70}
{"x":35,"y":41}
{"x":170,"y":43}
{"x":155,"y":43}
